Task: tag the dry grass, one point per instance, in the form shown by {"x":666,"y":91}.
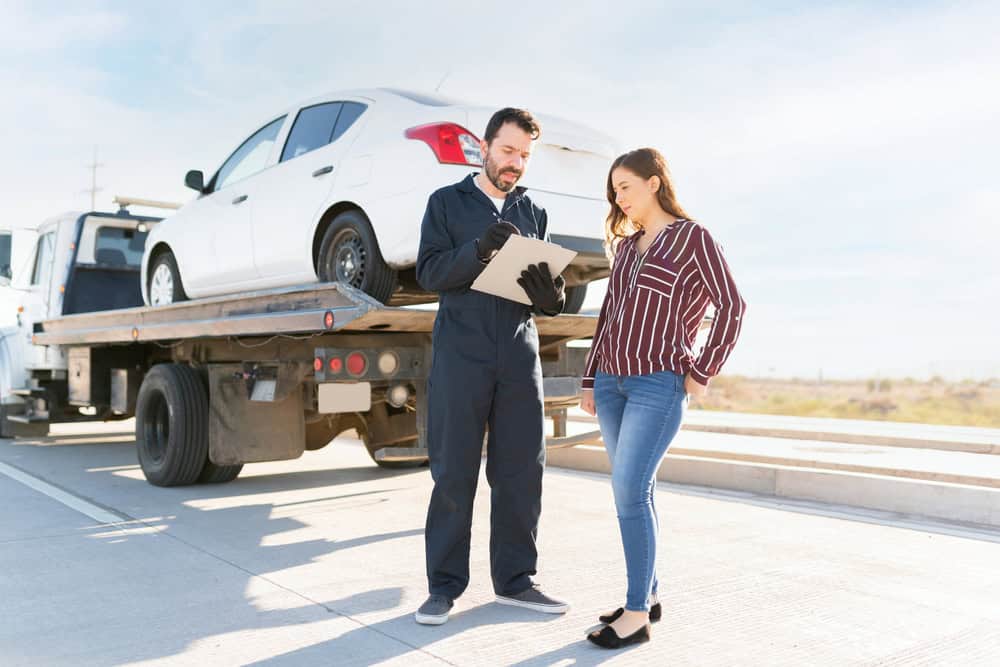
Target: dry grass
{"x":936,"y":401}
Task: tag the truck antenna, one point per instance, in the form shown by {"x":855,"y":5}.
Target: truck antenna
{"x":93,"y":181}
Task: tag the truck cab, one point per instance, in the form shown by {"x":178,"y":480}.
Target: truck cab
{"x":79,"y":263}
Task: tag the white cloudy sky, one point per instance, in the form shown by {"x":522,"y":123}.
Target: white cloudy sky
{"x":844,"y":155}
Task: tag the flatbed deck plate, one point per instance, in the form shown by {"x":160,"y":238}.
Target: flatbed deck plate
{"x":292,"y":310}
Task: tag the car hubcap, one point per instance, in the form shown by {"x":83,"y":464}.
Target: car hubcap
{"x":349,"y":258}
{"x":161,"y":289}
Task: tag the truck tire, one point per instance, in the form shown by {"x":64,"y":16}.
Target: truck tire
{"x":165,"y":286}
{"x":574,"y":298}
{"x":171,"y":425}
{"x":349,"y":254}
{"x":215,"y":474}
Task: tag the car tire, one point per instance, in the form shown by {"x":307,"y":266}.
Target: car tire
{"x":171,"y":425}
{"x":574,"y":299}
{"x":349,"y":254}
{"x":165,"y":277}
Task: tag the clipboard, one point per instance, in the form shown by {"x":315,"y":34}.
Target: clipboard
{"x":500,"y":276}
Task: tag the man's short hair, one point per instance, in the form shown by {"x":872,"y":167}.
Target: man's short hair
{"x":523,"y":119}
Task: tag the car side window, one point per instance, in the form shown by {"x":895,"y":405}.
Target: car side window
{"x":250,"y":157}
{"x":43,"y":259}
{"x":350,"y":113}
{"x":313,"y":129}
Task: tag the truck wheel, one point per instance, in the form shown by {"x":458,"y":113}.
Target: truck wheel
{"x":574,"y":298}
{"x":214,"y":474}
{"x":171,"y":425}
{"x":165,"y":286}
{"x":349,"y":254}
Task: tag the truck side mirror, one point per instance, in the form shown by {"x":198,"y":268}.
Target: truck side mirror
{"x":195,"y":180}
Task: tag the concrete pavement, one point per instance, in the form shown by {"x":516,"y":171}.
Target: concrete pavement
{"x":320,"y":561}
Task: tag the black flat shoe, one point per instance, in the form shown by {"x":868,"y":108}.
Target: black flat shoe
{"x":608,"y":638}
{"x":655,"y":612}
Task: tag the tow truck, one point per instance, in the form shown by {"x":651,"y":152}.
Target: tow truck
{"x":216,"y":383}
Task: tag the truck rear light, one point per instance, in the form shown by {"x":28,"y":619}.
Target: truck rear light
{"x":336,"y":365}
{"x":398,"y":395}
{"x":356,"y":363}
{"x":388,"y":363}
{"x":317,"y":364}
{"x":451,"y":143}
{"x":328,"y":319}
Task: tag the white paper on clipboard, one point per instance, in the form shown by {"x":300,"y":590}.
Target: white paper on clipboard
{"x":499,"y":278}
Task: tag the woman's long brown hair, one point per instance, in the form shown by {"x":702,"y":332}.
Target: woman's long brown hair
{"x":644,"y":163}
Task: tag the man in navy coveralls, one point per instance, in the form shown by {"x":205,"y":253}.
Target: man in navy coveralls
{"x":485,"y":371}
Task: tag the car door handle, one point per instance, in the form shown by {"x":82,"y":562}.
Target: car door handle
{"x":323,"y":170}
{"x":240,"y":199}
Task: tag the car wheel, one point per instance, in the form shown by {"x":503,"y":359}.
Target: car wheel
{"x":574,"y":298}
{"x":349,"y":254}
{"x":165,"y":286}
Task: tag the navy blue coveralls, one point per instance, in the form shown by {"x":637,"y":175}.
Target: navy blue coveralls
{"x":485,"y":370}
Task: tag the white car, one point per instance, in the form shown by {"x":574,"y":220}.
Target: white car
{"x":334,"y":189}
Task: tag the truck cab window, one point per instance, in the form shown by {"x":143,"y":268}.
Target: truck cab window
{"x":43,"y":259}
{"x":117,"y":246}
{"x":5,"y":248}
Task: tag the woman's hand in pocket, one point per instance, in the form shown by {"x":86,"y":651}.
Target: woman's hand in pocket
{"x":587,"y":402}
{"x":693,"y":388}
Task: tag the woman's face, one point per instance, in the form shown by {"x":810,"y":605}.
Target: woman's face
{"x":635,"y":196}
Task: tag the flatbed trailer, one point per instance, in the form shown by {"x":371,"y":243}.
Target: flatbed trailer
{"x":217,"y":383}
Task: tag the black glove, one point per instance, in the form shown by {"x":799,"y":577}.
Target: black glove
{"x":494,"y":238}
{"x":546,"y":294}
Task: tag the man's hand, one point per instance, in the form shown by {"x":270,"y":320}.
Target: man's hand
{"x":587,"y":402}
{"x":546,"y":294}
{"x":494,"y":238}
{"x":693,"y":387}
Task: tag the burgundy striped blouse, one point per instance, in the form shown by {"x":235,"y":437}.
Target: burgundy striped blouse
{"x":655,"y":303}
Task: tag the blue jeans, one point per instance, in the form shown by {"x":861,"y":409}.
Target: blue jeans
{"x":639,"y":417}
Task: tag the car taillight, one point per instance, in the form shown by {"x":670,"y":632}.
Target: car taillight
{"x":356,"y":363}
{"x":336,"y":365}
{"x":451,"y":143}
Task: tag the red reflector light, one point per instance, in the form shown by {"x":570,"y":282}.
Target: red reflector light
{"x":336,"y":365}
{"x":356,"y":363}
{"x":451,"y":143}
{"x":328,"y":320}
{"x":317,"y":364}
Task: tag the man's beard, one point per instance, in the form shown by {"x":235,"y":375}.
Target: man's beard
{"x":494,"y":175}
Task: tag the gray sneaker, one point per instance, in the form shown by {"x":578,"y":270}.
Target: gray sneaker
{"x":535,"y":600}
{"x":434,"y":611}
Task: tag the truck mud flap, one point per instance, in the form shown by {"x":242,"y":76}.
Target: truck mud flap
{"x":255,"y":413}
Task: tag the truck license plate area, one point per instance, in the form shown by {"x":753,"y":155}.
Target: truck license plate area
{"x":335,"y":397}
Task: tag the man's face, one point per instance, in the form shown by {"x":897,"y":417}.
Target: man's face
{"x":506,"y":157}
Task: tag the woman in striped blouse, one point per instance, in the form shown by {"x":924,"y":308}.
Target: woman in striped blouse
{"x":666,"y":270}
